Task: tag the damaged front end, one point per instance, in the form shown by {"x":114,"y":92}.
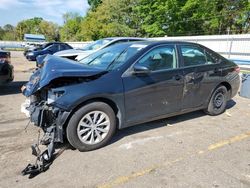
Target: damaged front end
{"x":44,"y":88}
{"x":51,"y":120}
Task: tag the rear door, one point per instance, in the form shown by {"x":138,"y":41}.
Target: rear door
{"x":157,"y":93}
{"x":201,"y":74}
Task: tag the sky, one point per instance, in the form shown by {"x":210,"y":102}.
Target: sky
{"x":13,"y":11}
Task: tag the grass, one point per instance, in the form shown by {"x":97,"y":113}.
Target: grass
{"x":245,"y":71}
{"x":14,"y":49}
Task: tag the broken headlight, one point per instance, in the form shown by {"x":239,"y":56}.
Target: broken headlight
{"x":53,"y":95}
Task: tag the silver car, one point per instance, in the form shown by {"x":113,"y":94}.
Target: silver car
{"x":78,"y":54}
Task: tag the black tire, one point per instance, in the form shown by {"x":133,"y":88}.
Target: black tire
{"x":72,"y":128}
{"x":218,"y":101}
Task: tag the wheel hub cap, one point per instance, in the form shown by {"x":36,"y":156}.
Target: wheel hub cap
{"x":93,"y":127}
{"x":218,"y":100}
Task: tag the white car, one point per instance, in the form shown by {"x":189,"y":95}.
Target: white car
{"x":78,"y":54}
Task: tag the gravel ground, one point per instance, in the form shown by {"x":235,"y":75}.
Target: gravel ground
{"x":191,"y":150}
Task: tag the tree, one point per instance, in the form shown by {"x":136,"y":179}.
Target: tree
{"x":8,"y":32}
{"x":1,"y":33}
{"x":226,"y":15}
{"x":111,"y":18}
{"x":94,"y":3}
{"x":71,"y":28}
{"x":9,"y":28}
{"x":142,"y":18}
{"x":193,"y":17}
{"x":49,"y":29}
{"x":28,"y":26}
{"x":37,"y":26}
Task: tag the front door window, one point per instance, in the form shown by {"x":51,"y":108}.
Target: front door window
{"x":160,"y":58}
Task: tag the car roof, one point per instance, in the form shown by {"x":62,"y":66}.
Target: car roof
{"x":152,"y":43}
{"x":160,"y":42}
{"x":49,"y":43}
{"x":122,"y":38}
{"x":45,"y":45}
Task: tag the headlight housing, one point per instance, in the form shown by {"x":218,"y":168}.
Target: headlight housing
{"x":53,"y":95}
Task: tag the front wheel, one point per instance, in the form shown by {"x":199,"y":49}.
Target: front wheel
{"x":91,"y":127}
{"x":218,"y":101}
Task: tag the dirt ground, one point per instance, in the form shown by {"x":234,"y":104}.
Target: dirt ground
{"x":192,"y":150}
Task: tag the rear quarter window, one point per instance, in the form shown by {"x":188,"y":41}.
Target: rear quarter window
{"x":193,"y":55}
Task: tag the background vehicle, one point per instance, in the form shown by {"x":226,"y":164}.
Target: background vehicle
{"x":6,"y":69}
{"x":127,"y":84}
{"x":48,"y":48}
{"x":33,"y":47}
{"x":78,"y":54}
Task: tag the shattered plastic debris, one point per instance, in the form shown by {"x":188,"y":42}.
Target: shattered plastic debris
{"x":43,"y":159}
{"x":228,"y":114}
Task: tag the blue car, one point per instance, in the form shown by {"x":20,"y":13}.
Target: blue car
{"x":124,"y":85}
{"x":49,"y":48}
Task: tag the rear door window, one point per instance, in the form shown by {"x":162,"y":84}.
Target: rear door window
{"x":193,"y":55}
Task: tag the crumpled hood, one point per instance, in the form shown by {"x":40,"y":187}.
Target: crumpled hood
{"x":57,"y":67}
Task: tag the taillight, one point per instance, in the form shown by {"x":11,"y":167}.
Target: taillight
{"x":237,"y":69}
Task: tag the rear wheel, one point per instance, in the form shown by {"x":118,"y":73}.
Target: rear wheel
{"x":91,"y":127}
{"x":218,"y":101}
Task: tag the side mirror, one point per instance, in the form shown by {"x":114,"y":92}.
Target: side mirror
{"x":140,"y":69}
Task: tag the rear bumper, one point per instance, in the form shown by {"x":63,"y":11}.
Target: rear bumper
{"x":235,"y":84}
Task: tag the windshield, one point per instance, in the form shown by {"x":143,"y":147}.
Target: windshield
{"x":112,"y":57}
{"x":97,"y":44}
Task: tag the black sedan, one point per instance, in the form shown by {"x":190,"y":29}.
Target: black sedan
{"x":6,"y":69}
{"x":48,"y":48}
{"x":124,"y":85}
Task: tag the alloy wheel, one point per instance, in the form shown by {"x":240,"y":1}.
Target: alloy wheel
{"x":93,"y":127}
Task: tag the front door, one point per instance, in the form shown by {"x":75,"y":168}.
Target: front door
{"x":156,"y":93}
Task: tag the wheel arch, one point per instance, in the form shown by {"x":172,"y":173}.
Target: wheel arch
{"x":224,"y":83}
{"x":228,"y":86}
{"x":107,"y":101}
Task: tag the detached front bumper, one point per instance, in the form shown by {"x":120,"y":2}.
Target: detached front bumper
{"x":46,"y":117}
{"x":235,"y":84}
{"x":51,"y":120}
